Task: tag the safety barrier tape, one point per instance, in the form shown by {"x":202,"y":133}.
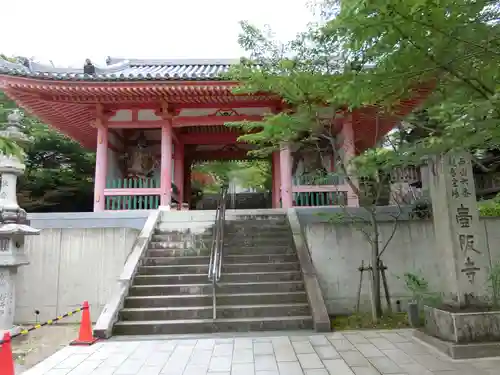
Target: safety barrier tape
{"x":48,"y":322}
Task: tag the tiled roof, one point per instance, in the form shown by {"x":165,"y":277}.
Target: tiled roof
{"x":125,"y":70}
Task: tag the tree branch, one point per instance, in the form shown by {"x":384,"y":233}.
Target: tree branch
{"x":433,"y":27}
{"x":447,"y":69}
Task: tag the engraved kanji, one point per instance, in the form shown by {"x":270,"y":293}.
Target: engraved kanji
{"x":466,"y":242}
{"x":464,"y":218}
{"x":470,"y":269}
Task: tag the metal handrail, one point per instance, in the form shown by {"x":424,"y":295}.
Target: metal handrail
{"x":215,"y":266}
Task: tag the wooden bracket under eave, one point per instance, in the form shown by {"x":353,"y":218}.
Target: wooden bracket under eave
{"x":99,"y":111}
{"x":167,"y":110}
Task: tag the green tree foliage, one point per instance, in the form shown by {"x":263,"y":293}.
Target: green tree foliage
{"x":7,"y":146}
{"x":255,"y":174}
{"x":59,"y":172}
{"x":449,"y":45}
{"x":490,"y":208}
{"x":379,"y":53}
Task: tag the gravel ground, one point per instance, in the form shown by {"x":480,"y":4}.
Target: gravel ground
{"x":39,"y":344}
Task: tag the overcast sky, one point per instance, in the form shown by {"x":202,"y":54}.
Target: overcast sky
{"x":68,"y":31}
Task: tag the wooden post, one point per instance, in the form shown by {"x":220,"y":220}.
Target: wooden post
{"x":179,"y":170}
{"x":383,"y":268}
{"x":101,"y":166}
{"x":166,"y":164}
{"x":187,"y":182}
{"x":361,"y":269}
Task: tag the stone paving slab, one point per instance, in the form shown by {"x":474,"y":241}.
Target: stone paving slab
{"x":347,"y":353}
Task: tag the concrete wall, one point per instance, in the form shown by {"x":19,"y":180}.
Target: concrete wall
{"x":77,"y":257}
{"x":338,"y":250}
{"x":82,"y":220}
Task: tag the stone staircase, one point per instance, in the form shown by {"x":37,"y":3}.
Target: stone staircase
{"x":242,"y":201}
{"x":261,"y":287}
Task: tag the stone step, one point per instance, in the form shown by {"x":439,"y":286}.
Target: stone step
{"x":187,"y":231}
{"x":263,"y":228}
{"x":256,"y":220}
{"x":242,"y":277}
{"x":186,"y":300}
{"x":239,"y":249}
{"x":166,"y":327}
{"x":176,"y":269}
{"x":169,"y":235}
{"x":263,"y":232}
{"x":164,"y":253}
{"x":182,"y":238}
{"x":228,"y":259}
{"x":184,"y":279}
{"x":176,"y":260}
{"x":206,"y":312}
{"x":160,"y":244}
{"x":232,"y":268}
{"x":240,"y":239}
{"x":258,"y":241}
{"x":228,"y":241}
{"x":179,"y":269}
{"x":223,"y":288}
{"x":260,"y":258}
{"x":230,"y":249}
{"x":254,"y":277}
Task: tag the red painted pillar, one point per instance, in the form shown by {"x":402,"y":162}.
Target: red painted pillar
{"x":286,"y":177}
{"x":101,"y":166}
{"x":166,"y":164}
{"x":349,"y":150}
{"x":276,"y":180}
{"x":179,"y":170}
{"x":187,"y":182}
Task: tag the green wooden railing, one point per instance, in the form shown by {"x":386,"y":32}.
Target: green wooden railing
{"x":132,"y":183}
{"x":319,"y":198}
{"x":330,"y":179}
{"x":133,"y":201}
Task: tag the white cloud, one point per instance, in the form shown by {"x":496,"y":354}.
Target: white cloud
{"x":68,"y":31}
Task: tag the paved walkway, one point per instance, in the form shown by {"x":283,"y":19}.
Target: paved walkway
{"x":357,"y":352}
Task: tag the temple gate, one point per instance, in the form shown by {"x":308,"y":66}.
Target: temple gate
{"x":150,"y":120}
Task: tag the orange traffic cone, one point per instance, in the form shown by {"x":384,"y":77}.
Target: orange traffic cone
{"x":6,"y":361}
{"x":85,"y":336}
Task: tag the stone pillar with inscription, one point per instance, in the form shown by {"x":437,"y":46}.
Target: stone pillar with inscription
{"x":13,"y":223}
{"x":459,"y":241}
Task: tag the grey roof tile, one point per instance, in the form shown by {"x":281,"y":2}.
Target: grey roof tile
{"x":126,"y":70}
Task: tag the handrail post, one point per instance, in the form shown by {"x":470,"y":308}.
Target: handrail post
{"x":215,"y":264}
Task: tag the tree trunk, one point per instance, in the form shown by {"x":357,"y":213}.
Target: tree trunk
{"x":376,"y":295}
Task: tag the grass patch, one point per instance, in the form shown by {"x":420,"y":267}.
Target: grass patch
{"x":364,"y":321}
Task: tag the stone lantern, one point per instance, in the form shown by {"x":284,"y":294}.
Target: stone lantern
{"x":13,"y":222}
